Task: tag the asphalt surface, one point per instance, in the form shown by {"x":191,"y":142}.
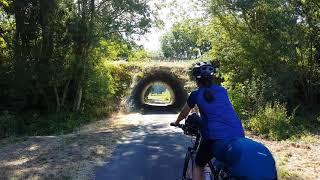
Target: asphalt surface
{"x":154,"y":151}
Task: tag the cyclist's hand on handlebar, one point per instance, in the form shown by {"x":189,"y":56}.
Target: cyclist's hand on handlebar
{"x":174,"y":124}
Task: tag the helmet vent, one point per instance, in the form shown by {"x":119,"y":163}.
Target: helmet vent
{"x":202,"y":69}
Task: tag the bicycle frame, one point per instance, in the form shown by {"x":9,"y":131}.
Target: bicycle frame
{"x":210,"y":171}
{"x":190,"y":156}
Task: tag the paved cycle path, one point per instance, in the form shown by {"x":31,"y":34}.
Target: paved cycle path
{"x":154,"y":151}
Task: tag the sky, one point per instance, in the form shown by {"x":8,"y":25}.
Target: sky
{"x":170,"y":12}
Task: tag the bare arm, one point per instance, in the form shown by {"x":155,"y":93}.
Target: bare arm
{"x":183,"y":114}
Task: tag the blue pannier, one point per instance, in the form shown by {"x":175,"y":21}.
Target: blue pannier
{"x":246,"y":159}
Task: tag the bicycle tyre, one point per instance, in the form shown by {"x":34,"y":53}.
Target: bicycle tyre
{"x":186,"y":167}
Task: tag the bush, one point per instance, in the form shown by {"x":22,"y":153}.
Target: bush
{"x":306,"y":122}
{"x":7,"y":124}
{"x":240,"y":102}
{"x":106,"y":87}
{"x":139,"y":55}
{"x":35,"y":124}
{"x":272,"y":121}
{"x":54,"y":123}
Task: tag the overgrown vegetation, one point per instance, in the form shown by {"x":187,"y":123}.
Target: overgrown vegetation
{"x":268,"y":52}
{"x":272,"y":121}
{"x":52,"y":61}
{"x":268,"y":56}
{"x":107,"y":84}
{"x":55,"y":77}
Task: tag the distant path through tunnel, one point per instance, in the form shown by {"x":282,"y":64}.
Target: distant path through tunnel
{"x":173,"y":82}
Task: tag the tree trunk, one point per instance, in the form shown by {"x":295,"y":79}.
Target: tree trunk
{"x":18,"y":42}
{"x":46,"y":11}
{"x":86,"y":10}
{"x":78,"y":98}
{"x":65,"y":91}
{"x":57,"y":98}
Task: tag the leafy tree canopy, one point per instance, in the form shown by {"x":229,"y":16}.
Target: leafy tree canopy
{"x":186,"y":40}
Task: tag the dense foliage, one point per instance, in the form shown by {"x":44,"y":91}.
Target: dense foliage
{"x":272,"y":46}
{"x":51,"y":56}
{"x":272,"y":121}
{"x":186,"y":40}
{"x":267,"y":52}
{"x":54,"y":74}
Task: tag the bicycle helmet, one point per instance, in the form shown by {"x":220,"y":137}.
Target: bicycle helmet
{"x":202,"y":70}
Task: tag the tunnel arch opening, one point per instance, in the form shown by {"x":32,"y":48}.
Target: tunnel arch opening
{"x":172,"y":83}
{"x":158,"y":94}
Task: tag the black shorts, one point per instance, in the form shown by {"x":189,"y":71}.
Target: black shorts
{"x":204,"y":153}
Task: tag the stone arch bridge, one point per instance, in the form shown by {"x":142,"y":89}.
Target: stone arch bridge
{"x":174,"y":76}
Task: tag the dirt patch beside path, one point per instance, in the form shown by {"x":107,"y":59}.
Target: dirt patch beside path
{"x":71,"y":156}
{"x":296,"y":159}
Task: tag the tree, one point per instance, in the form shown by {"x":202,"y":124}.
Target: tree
{"x":186,"y":40}
{"x":96,"y":19}
{"x":261,"y":47}
{"x":53,"y":46}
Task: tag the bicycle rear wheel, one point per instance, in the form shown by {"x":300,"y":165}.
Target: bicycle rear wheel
{"x":188,"y":168}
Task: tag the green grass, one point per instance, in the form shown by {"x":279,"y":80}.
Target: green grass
{"x":306,"y":137}
{"x":164,"y":97}
{"x":286,"y":175}
{"x":285,"y":159}
{"x":33,"y":124}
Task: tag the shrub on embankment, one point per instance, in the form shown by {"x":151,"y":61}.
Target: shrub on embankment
{"x":105,"y":87}
{"x":270,"y":117}
{"x":272,"y":121}
{"x":275,"y":122}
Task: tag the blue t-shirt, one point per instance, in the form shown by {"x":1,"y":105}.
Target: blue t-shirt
{"x":218,"y":118}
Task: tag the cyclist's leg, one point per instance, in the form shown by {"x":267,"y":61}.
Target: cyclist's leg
{"x":197,"y":172}
{"x":204,"y":154}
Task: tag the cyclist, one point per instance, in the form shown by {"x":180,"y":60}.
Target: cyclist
{"x":218,"y":119}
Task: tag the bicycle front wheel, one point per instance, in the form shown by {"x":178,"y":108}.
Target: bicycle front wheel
{"x":187,"y":167}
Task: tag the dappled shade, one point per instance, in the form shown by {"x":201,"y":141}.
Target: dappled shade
{"x":153,"y":151}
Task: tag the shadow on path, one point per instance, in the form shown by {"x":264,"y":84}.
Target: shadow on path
{"x":154,"y":151}
{"x":58,"y":157}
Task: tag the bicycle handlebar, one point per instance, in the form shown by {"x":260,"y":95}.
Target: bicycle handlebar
{"x":177,"y":125}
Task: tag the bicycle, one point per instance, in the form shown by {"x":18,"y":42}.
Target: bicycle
{"x":214,"y":169}
{"x":217,"y":170}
